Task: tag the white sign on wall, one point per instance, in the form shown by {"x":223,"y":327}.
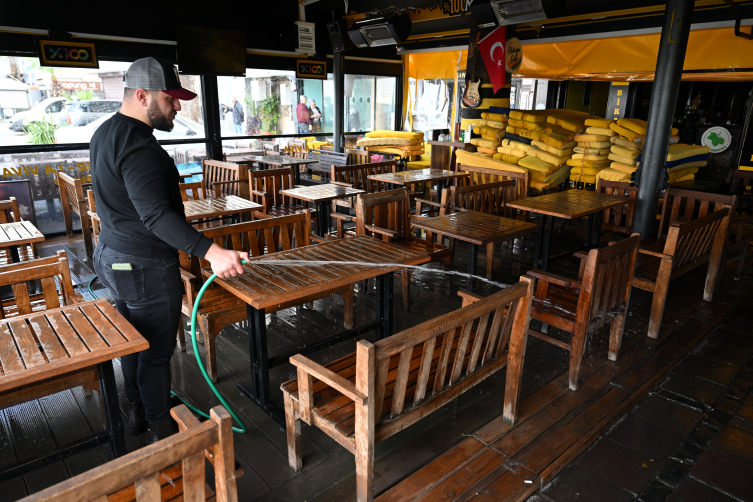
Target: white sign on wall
{"x":717,"y":138}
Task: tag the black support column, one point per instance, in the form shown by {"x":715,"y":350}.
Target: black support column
{"x":337,"y":70}
{"x":674,"y":42}
{"x":210,"y":106}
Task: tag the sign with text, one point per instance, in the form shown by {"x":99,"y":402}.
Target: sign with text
{"x":67,"y":54}
{"x":305,"y":68}
{"x":617,"y":102}
{"x":80,"y":86}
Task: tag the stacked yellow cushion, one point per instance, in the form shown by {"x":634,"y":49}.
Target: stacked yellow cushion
{"x":597,"y":122}
{"x":396,"y":134}
{"x":638,"y":126}
{"x":627,"y":133}
{"x":466,"y":158}
{"x":601,"y":152}
{"x":512,"y":151}
{"x":681,"y":151}
{"x":623,"y":155}
{"x":485,"y":143}
{"x":512,"y":159}
{"x":601,"y":131}
{"x":613,"y":175}
{"x":616,"y":140}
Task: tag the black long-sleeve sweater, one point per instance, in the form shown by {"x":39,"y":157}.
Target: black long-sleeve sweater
{"x":136,"y":188}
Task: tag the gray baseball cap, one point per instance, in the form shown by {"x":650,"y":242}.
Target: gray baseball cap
{"x":155,"y":74}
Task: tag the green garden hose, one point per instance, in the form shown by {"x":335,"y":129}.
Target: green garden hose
{"x":242,"y":428}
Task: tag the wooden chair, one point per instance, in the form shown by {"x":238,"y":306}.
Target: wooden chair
{"x":10,"y":213}
{"x":386,"y":214}
{"x":324,"y":162}
{"x":226,"y":178}
{"x":270,"y":148}
{"x":171,"y":469}
{"x":600,"y":295}
{"x":386,"y":386}
{"x":618,"y":219}
{"x":93,"y":216}
{"x":265,"y":190}
{"x":357,"y":156}
{"x":357,"y":176}
{"x":72,"y":200}
{"x":693,"y":231}
{"x":218,"y":308}
{"x":195,"y":190}
{"x":485,"y":175}
{"x":297,"y":145}
{"x":48,"y":271}
{"x":740,"y":178}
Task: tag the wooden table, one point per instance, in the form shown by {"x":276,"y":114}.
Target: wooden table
{"x":414,"y":176}
{"x":217,"y":207}
{"x":266,"y":282}
{"x":322,"y":195}
{"x":570,"y":204}
{"x":477,"y":229}
{"x":17,"y":234}
{"x":47,"y":352}
{"x":282,"y":161}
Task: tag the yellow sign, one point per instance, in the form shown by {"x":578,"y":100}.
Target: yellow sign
{"x":513,"y":55}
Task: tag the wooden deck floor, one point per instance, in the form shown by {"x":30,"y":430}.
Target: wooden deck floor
{"x":461,"y":452}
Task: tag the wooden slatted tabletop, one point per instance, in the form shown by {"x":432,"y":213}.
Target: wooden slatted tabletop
{"x":476,"y":228}
{"x":570,"y":204}
{"x":37,"y":347}
{"x":416,"y":176}
{"x":265,"y":283}
{"x":218,"y":206}
{"x":16,"y":234}
{"x":322,"y":193}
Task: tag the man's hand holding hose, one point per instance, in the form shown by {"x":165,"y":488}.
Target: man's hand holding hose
{"x":225,"y":263}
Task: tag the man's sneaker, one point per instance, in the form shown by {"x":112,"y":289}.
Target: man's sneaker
{"x":136,"y":423}
{"x":159,"y":431}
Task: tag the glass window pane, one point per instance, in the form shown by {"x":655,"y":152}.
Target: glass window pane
{"x":385,"y":103}
{"x":360,"y":106}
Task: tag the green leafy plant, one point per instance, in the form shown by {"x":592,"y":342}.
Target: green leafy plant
{"x":80,"y":95}
{"x":42,"y":133}
{"x":269,"y":113}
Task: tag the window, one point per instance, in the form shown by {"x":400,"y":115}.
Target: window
{"x":99,"y":107}
{"x":430,"y":104}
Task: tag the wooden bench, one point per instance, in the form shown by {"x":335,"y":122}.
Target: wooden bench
{"x":386,"y":215}
{"x":366,"y":397}
{"x":686,"y":240}
{"x":324,"y":162}
{"x":218,"y":307}
{"x":171,"y":469}
{"x":72,"y":200}
{"x":618,"y":219}
{"x":600,"y":295}
{"x":357,"y":176}
{"x":265,"y":190}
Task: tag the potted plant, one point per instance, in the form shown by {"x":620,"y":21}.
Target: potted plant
{"x":269,"y":112}
{"x":253,"y":122}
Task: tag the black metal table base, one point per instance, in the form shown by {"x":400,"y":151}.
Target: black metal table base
{"x":322,"y":218}
{"x":113,"y":432}
{"x":544,"y":237}
{"x":259,"y":390}
{"x":472,"y":257}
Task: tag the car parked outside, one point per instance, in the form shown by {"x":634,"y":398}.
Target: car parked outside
{"x":80,"y":113}
{"x":48,"y":110}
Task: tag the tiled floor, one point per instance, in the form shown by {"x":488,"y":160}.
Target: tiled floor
{"x":691,"y":439}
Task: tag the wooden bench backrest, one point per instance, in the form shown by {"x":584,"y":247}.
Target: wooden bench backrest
{"x":357,"y":156}
{"x":71,"y":193}
{"x":691,"y":242}
{"x":142,"y":467}
{"x":483,"y":175}
{"x":270,"y":147}
{"x":297,"y":145}
{"x":270,"y":234}
{"x":46,"y":270}
{"x":226,"y":178}
{"x":471,"y":339}
{"x":357,"y":176}
{"x":607,"y":280}
{"x":300,"y":155}
{"x":688,"y":205}
{"x":618,"y":219}
{"x":196,"y":189}
{"x":266,"y":185}
{"x":389,"y":210}
{"x":328,"y":158}
{"x":489,"y":198}
{"x":9,"y":211}
{"x":743,"y":178}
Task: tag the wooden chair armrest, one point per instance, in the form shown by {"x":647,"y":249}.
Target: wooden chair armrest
{"x":554,"y":279}
{"x":468,"y":297}
{"x":225,"y":182}
{"x":320,"y":240}
{"x":342,"y":216}
{"x":186,"y":275}
{"x":582,"y":255}
{"x":654,"y":253}
{"x":382,"y":231}
{"x":340,"y":384}
{"x":429,"y":202}
{"x":266,"y":195}
{"x":342,"y":184}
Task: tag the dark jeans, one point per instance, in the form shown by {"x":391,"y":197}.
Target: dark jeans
{"x":303,"y":128}
{"x":149,"y":297}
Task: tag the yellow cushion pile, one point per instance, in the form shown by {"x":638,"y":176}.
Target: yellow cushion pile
{"x":403,"y":143}
{"x":623,"y":155}
{"x":590,"y":153}
{"x":466,"y":158}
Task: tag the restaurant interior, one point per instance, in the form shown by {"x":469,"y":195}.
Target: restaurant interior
{"x":497,"y":250}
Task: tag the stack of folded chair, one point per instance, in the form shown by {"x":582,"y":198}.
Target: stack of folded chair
{"x":591,"y":153}
{"x":683,"y":161}
{"x":402,"y":143}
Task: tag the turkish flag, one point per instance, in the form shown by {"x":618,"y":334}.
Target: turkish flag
{"x":492,"y":49}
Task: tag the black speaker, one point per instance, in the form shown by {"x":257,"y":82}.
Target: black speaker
{"x":338,"y":35}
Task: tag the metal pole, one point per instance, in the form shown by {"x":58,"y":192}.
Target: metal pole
{"x":337,"y":70}
{"x":210,"y":105}
{"x":674,"y":42}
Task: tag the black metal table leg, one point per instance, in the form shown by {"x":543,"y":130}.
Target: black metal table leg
{"x":14,"y":256}
{"x":322,"y":218}
{"x":596,"y":229}
{"x":379,"y":306}
{"x":589,"y":226}
{"x":387,"y":318}
{"x":546,"y":243}
{"x":539,"y":239}
{"x":297,"y":174}
{"x":472,"y":256}
{"x":109,"y":395}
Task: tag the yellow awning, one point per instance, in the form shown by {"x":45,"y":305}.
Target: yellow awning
{"x":633,"y":57}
